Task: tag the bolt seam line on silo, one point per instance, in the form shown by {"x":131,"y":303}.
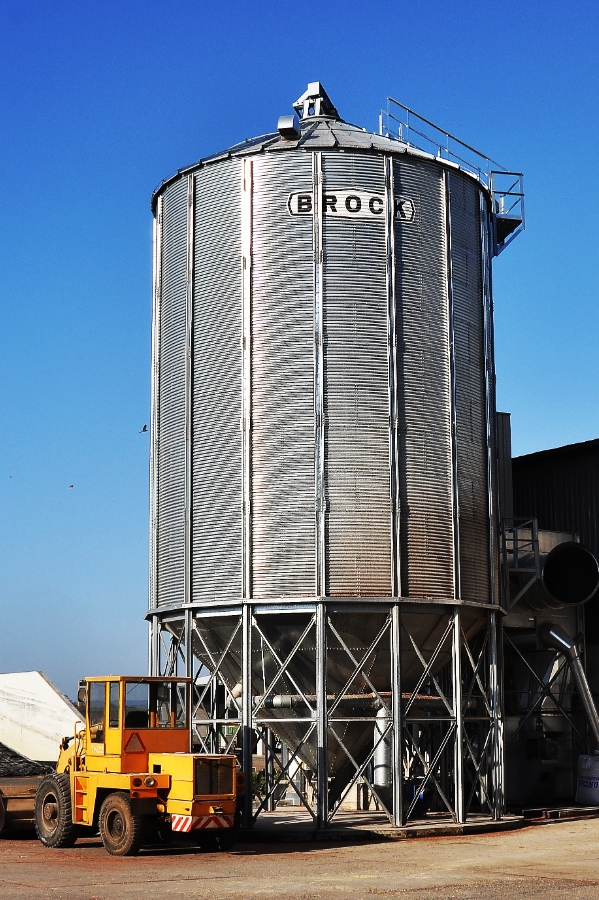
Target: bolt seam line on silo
{"x":489,"y":368}
{"x":321,"y":612}
{"x":319,"y":374}
{"x":392,"y":374}
{"x":246,"y":374}
{"x":188,"y":389}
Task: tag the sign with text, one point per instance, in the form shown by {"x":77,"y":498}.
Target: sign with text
{"x":351,"y":205}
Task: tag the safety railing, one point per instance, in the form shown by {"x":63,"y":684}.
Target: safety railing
{"x":506,"y":188}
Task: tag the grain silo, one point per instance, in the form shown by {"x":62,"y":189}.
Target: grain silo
{"x":323,"y":500}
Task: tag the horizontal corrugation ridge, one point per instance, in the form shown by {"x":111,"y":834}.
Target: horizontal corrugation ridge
{"x":356,"y":390}
{"x":470,"y":388}
{"x":171,"y":398}
{"x":283,"y":505}
{"x":424,"y":408}
{"x":217,"y":386}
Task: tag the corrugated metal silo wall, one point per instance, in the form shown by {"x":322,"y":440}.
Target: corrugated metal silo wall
{"x":283,"y":504}
{"x":470,"y":393}
{"x":424,"y":386}
{"x":216,"y":539}
{"x":356,"y":388}
{"x":359,"y":528}
{"x":170,"y":477}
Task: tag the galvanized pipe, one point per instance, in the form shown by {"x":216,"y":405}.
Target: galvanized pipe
{"x":381,"y":760}
{"x":570,"y":575}
{"x":555,"y":638}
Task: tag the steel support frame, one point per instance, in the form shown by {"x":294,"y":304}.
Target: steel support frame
{"x":452,"y":751}
{"x":551,"y":694}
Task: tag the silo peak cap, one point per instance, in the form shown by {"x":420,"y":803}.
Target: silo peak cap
{"x":315,"y":102}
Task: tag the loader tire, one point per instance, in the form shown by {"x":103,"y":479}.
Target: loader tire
{"x":121,"y":830}
{"x":219,"y":839}
{"x":53,"y":820}
{"x":228,"y":837}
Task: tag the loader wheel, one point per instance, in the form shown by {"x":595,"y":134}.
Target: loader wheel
{"x":206,"y":842}
{"x":53,"y":820}
{"x":219,"y":839}
{"x":120,"y":829}
{"x":228,"y":837}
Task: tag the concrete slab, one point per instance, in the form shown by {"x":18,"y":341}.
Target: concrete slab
{"x":558,"y":860}
{"x":291,"y":827}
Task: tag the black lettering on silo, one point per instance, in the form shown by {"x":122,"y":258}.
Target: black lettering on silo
{"x":404,"y":209}
{"x":375,"y":202}
{"x":304,"y":203}
{"x":330,"y":203}
{"x":353,"y":204}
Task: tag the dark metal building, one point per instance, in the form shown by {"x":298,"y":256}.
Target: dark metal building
{"x":560,"y":488}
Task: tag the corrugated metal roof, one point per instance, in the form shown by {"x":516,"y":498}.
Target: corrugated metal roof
{"x":323,"y":133}
{"x":584,"y":448}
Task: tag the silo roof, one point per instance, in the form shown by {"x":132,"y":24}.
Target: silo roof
{"x":318,"y":133}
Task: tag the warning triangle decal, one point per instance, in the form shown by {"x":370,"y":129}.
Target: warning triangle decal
{"x":134,"y":744}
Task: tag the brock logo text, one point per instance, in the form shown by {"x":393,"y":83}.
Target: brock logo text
{"x":351,"y":205}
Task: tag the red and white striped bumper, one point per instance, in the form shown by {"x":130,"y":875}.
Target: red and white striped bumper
{"x":190,"y":823}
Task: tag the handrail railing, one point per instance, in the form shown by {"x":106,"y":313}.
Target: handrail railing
{"x":520,"y":554}
{"x":506,"y":188}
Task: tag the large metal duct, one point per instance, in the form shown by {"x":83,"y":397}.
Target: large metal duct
{"x":569,"y":575}
{"x":323,"y":406}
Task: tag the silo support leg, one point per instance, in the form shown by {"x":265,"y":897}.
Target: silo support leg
{"x":322,"y":781}
{"x":154,"y":648}
{"x":246,"y":711}
{"x":459,"y":719}
{"x":495,"y":678}
{"x":397,"y":758}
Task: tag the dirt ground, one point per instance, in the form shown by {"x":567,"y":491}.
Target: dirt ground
{"x":558,"y":860}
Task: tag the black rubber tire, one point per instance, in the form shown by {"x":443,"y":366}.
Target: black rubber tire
{"x":157,"y":831}
{"x":121,"y":830}
{"x":219,"y":839}
{"x":228,"y":837}
{"x":206,"y":842}
{"x":54,"y":824}
{"x":164,"y":833}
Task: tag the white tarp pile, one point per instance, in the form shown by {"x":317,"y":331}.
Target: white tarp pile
{"x":34,"y":715}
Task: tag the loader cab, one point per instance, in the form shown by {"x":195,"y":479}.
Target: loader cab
{"x":128,"y":717}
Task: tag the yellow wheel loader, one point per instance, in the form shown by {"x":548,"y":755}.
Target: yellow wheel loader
{"x":130,"y":775}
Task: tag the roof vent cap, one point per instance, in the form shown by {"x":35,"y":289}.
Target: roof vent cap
{"x":289,"y":127}
{"x":315,"y":102}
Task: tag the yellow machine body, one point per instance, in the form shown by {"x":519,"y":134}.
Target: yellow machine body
{"x":137,"y":741}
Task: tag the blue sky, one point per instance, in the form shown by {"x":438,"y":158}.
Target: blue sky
{"x":100,"y":102}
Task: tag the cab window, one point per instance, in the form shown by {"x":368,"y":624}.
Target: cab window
{"x":155,"y":705}
{"x":137,"y":705}
{"x":96,"y":711}
{"x":113,"y":705}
